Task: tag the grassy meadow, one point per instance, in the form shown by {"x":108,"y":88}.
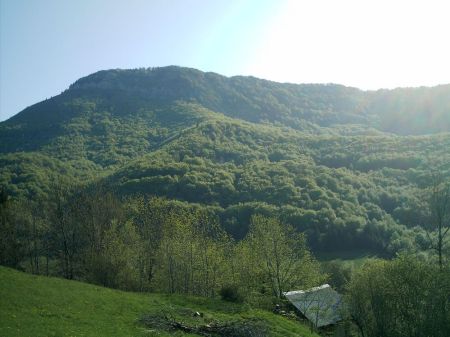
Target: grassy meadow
{"x":44,"y":306}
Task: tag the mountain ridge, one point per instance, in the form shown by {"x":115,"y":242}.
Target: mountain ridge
{"x":258,"y":100}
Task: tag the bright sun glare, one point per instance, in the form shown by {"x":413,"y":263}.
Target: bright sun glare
{"x":367,"y":44}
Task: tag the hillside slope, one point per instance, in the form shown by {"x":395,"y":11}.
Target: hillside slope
{"x":33,"y":306}
{"x":146,"y":94}
{"x":321,"y":157}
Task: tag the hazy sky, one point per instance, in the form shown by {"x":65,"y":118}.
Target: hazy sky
{"x":45,"y":45}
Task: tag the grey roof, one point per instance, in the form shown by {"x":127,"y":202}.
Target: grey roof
{"x":321,"y":305}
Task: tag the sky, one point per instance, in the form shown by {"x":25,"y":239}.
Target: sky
{"x":45,"y":45}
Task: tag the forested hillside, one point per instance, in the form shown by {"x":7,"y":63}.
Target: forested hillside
{"x":174,"y":181}
{"x":348,"y":167}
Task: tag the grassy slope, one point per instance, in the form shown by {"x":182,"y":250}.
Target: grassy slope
{"x":40,"y":306}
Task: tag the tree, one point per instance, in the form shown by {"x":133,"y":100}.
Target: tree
{"x":35,"y":231}
{"x":11,"y":247}
{"x":402,"y":297}
{"x":439,"y":208}
{"x":116,"y":263}
{"x":148,"y":217}
{"x":191,"y":255}
{"x":65,"y":234}
{"x":94,"y":216}
{"x":340,"y":273}
{"x":282,"y":253}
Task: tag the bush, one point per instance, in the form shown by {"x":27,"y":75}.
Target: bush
{"x":231,"y":293}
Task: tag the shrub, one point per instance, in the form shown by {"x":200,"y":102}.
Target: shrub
{"x":231,"y":293}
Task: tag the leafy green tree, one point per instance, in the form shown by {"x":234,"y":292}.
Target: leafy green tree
{"x":403,"y":297}
{"x":92,"y":216}
{"x":439,"y":208}
{"x":283,"y":255}
{"x":149,"y":217}
{"x":116,"y":263}
{"x":339,"y":274}
{"x":12,"y":251}
{"x":66,"y":235}
{"x":191,"y":255}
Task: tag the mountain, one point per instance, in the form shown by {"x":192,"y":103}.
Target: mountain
{"x":346,"y":166}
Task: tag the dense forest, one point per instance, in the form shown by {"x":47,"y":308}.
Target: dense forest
{"x":340,"y":164}
{"x":174,"y":180}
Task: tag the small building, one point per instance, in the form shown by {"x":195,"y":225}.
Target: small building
{"x":321,"y":305}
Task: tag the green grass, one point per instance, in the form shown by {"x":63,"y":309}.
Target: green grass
{"x":44,"y":306}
